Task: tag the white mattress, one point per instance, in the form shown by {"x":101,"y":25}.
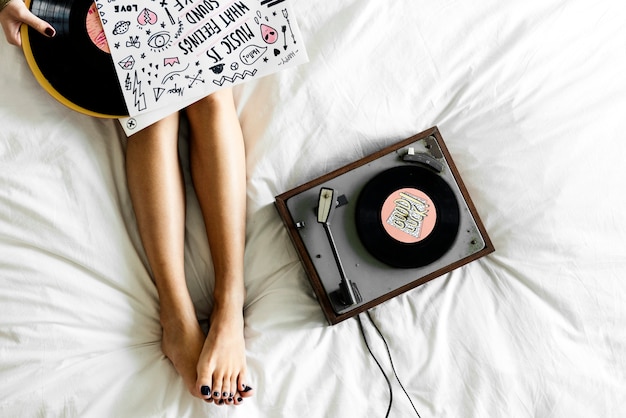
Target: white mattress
{"x":530,"y":97}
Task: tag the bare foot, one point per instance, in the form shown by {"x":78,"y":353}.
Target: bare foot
{"x":221,"y":367}
{"x":182,"y":343}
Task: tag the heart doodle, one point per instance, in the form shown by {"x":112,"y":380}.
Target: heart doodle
{"x":147,"y":16}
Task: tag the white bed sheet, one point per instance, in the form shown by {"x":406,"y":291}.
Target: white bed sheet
{"x":530,"y":97}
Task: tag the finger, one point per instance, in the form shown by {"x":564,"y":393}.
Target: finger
{"x":39,"y":25}
{"x":23,"y":15}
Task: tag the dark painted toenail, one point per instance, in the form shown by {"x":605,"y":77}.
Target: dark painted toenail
{"x":205,"y":390}
{"x":239,"y":399}
{"x":230,"y":399}
{"x":225,"y":394}
{"x":247,"y":388}
{"x":221,"y":401}
{"x":216,"y":394}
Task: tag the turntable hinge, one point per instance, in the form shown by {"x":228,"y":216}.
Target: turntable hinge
{"x":423,"y":159}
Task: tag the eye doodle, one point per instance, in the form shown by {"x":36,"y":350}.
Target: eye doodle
{"x":217,"y":69}
{"x":159,"y":41}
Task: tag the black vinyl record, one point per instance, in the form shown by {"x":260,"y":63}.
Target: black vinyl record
{"x":74,"y":66}
{"x":407,"y":216}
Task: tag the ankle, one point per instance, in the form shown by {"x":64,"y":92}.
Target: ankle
{"x":228,"y":303}
{"x":229,"y":297}
{"x":177,"y":315}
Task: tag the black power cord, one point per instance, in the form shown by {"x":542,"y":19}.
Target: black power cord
{"x":393,"y":367}
{"x":379,"y":365}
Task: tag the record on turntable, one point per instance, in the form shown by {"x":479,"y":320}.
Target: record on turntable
{"x":75,"y":66}
{"x":383,"y":225}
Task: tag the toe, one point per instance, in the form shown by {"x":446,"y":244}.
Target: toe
{"x":217,"y":391}
{"x":246,"y":392}
{"x":205,"y":391}
{"x":233,"y":388}
{"x":227,"y":390}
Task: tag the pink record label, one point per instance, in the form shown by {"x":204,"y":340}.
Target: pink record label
{"x":408,"y":215}
{"x":95,"y":29}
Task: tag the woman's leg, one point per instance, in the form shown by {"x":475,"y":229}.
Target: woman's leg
{"x":219,"y":175}
{"x":156,"y":187}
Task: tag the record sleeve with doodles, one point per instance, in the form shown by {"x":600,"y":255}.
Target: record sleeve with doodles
{"x":141,"y":61}
{"x":168,"y":53}
{"x":383,"y":225}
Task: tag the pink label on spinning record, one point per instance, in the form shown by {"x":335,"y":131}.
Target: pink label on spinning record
{"x":408,"y":215}
{"x":95,"y":29}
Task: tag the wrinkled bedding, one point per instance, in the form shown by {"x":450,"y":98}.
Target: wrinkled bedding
{"x":530,"y":97}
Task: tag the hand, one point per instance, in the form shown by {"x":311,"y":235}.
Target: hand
{"x":14,"y":14}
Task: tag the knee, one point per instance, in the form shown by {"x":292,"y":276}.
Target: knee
{"x":213,"y":102}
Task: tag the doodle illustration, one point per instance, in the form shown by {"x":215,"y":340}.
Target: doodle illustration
{"x":170,"y":76}
{"x":252,"y":53}
{"x":169,"y":15}
{"x":148,"y":71}
{"x":286,"y":16}
{"x":158,"y":92}
{"x":232,"y":79}
{"x":102,"y":18}
{"x":134,"y":42}
{"x":159,"y":41}
{"x":180,"y":29}
{"x":127,"y":63}
{"x":259,"y":17}
{"x":179,"y":91}
{"x":283,"y":29}
{"x":289,"y":57}
{"x":217,"y":69}
{"x":147,"y":16}
{"x":121,"y":27}
{"x":127,"y":82}
{"x":269,"y":34}
{"x":170,"y":61}
{"x":140,"y":97}
{"x":193,"y":79}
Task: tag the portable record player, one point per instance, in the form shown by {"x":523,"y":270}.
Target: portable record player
{"x":383,"y":225}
